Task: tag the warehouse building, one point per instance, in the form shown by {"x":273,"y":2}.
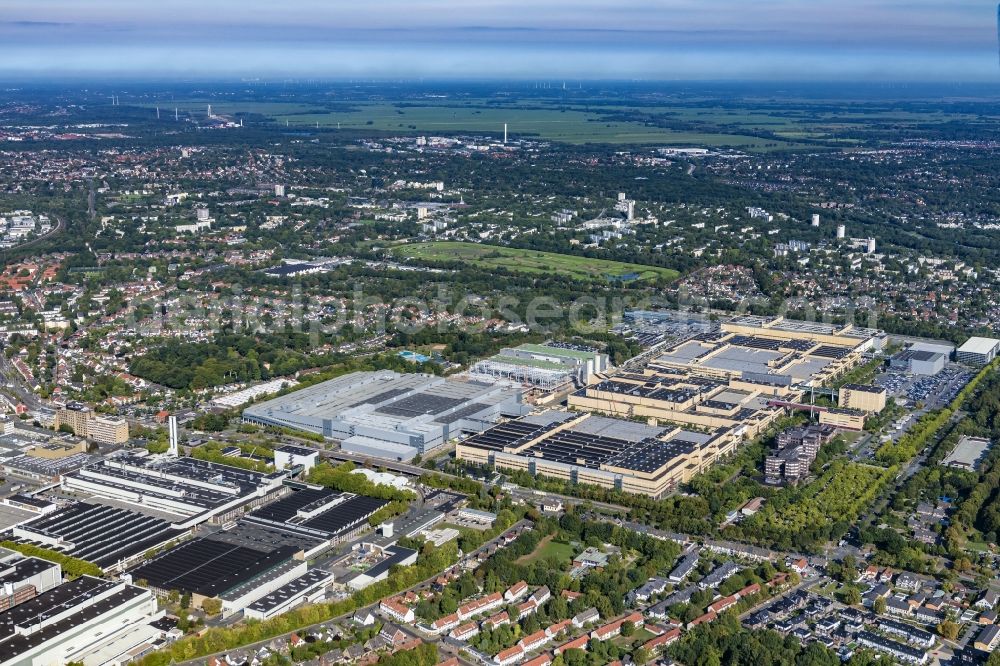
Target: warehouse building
{"x":110,"y":537}
{"x":193,"y":490}
{"x":318,"y":513}
{"x":387,"y":558}
{"x":978,"y":351}
{"x":209,"y":568}
{"x":918,"y":361}
{"x":847,"y":335}
{"x":307,"y":588}
{"x":610,"y":453}
{"x":763,"y":353}
{"x":74,"y":620}
{"x":386,"y":414}
{"x":23,"y":578}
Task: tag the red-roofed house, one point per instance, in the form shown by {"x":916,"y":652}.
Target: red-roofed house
{"x":702,"y":619}
{"x":497,"y":620}
{"x":397,"y":611}
{"x":445,"y":623}
{"x":540,"y":660}
{"x":511,"y":655}
{"x":575,"y":644}
{"x":534,"y":641}
{"x":482,"y":605}
{"x":748,"y":591}
{"x":526,"y":608}
{"x":554,"y":629}
{"x":569,"y":595}
{"x":654,"y":645}
{"x":516,"y":591}
{"x":465,"y":632}
{"x":723,"y":603}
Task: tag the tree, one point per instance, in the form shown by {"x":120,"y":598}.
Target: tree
{"x":640,"y":656}
{"x":850,"y":595}
{"x":627,"y":629}
{"x":879,"y":606}
{"x":948,"y":629}
{"x":709,"y":657}
{"x":212,"y":606}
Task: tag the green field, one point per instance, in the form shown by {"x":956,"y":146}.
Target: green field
{"x":531,"y":261}
{"x":550,"y":550}
{"x":577,"y":125}
{"x":568,"y":126}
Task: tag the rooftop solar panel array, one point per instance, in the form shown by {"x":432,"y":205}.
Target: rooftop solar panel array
{"x":387,"y":395}
{"x":461,"y":413}
{"x":346,"y":515}
{"x":798,"y":345}
{"x":652,"y":454}
{"x":507,"y":434}
{"x":420,"y":403}
{"x":102,"y":534}
{"x":572,"y":447}
{"x":286,"y":507}
{"x":754,"y":342}
{"x":209,"y":567}
{"x":831,"y":351}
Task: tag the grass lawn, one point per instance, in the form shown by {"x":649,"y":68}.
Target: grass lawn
{"x":549,"y":549}
{"x":531,"y":261}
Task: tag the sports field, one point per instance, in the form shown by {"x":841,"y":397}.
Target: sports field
{"x":531,"y":261}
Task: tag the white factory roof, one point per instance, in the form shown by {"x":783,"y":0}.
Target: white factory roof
{"x":979,"y":346}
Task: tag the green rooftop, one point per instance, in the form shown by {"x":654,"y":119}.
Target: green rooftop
{"x":556,"y":351}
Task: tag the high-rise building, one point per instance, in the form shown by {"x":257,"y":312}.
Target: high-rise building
{"x":815,"y":219}
{"x":841,"y":231}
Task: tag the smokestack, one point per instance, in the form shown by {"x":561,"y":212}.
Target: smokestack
{"x":174,"y":448}
{"x":505,"y":133}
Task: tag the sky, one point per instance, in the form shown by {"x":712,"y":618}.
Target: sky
{"x":880,"y":40}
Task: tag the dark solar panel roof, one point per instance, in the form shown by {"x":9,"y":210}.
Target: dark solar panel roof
{"x":386,"y":395}
{"x":286,"y":507}
{"x":102,"y":534}
{"x":506,"y":434}
{"x":754,"y":342}
{"x":461,"y":413}
{"x":209,"y":567}
{"x":398,"y":555}
{"x":20,"y":644}
{"x":346,"y":515}
{"x":831,"y":351}
{"x":420,"y":403}
{"x":651,"y":454}
{"x":798,"y":345}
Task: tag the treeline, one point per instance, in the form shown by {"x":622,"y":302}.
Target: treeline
{"x":342,"y":478}
{"x":230,"y":357}
{"x":221,"y":639}
{"x":212,"y":452}
{"x":724,"y":641}
{"x":824,"y":509}
{"x":71,"y":566}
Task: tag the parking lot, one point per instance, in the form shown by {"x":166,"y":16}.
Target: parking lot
{"x":932,"y":391}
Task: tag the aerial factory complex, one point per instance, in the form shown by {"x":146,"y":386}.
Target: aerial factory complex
{"x":701,"y":398}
